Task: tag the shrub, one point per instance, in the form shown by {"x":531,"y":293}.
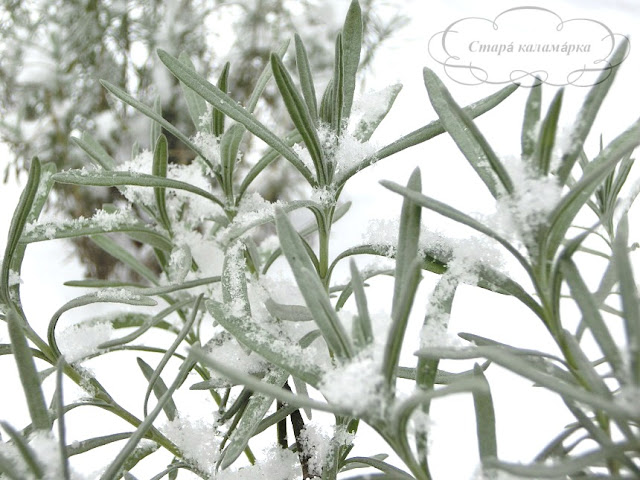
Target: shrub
{"x":250,"y":339}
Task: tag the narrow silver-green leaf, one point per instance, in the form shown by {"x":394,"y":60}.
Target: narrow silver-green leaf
{"x":531,"y":119}
{"x":521,"y":367}
{"x":467,"y":137}
{"x":485,"y":417}
{"x":28,"y":374}
{"x":184,"y":331}
{"x":456,"y":215}
{"x":280,"y":351}
{"x":256,"y":385}
{"x":159,"y":389}
{"x":62,"y":429}
{"x":195,"y":103}
{"x":116,"y":295}
{"x":229,"y":146}
{"x":311,"y":288}
{"x":159,"y":169}
{"x":306,"y":79}
{"x":149,"y":112}
{"x":591,"y":315}
{"x":251,"y":417}
{"x":562,"y":216}
{"x":300,"y":116}
{"x":351,"y":46}
{"x":395,"y":472}
{"x":156,"y":129}
{"x":26,"y":452}
{"x":407,"y":278}
{"x":629,"y":296}
{"x":363,"y":317}
{"x":589,"y":110}
{"x":547,"y":136}
{"x":96,"y":151}
{"x":218,"y":115}
{"x":369,"y":123}
{"x":264,"y":77}
{"x":114,"y":179}
{"x":112,"y":471}
{"x":224,"y":103}
{"x":120,"y":253}
{"x":16,"y":228}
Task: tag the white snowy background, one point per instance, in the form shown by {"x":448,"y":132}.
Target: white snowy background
{"x":527,"y":417}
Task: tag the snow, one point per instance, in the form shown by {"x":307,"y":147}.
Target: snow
{"x":345,"y":151}
{"x":369,"y":107}
{"x":223,"y":345}
{"x":197,"y":439}
{"x":278,"y":464}
{"x":47,"y":452}
{"x":209,"y":144}
{"x":101,"y":219}
{"x":234,"y":276}
{"x":82,"y":339}
{"x":316,"y":444}
{"x":14,"y":278}
{"x":358,"y":384}
{"x":533,"y":198}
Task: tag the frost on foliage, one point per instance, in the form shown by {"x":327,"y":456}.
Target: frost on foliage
{"x":186,"y":207}
{"x":357,"y":384}
{"x":209,"y":145}
{"x":279,"y":464}
{"x":14,"y":278}
{"x":317,"y":445}
{"x":223,"y":345}
{"x":464,"y":257}
{"x":82,"y":339}
{"x":101,"y":219}
{"x":197,"y":439}
{"x":533,"y":198}
{"x":47,"y":452}
{"x":344,"y":152}
{"x":234,"y":281}
{"x":253,"y":210}
{"x":368,"y":108}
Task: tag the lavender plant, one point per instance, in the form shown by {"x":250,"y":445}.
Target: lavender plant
{"x":252,"y":341}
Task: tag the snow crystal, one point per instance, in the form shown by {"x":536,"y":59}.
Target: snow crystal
{"x":252,"y":211}
{"x":357,"y":385}
{"x":464,"y":255}
{"x":180,"y":263}
{"x":191,"y":208}
{"x":279,"y":464}
{"x":14,"y":278}
{"x":141,"y":163}
{"x":533,"y":198}
{"x":316,"y":445}
{"x":209,"y":145}
{"x":112,"y":294}
{"x":235,"y":273}
{"x":325,"y":196}
{"x":350,"y":153}
{"x":223,"y":345}
{"x":345,"y":151}
{"x":47,"y":451}
{"x":197,"y":439}
{"x":372,"y":105}
{"x":82,"y":339}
